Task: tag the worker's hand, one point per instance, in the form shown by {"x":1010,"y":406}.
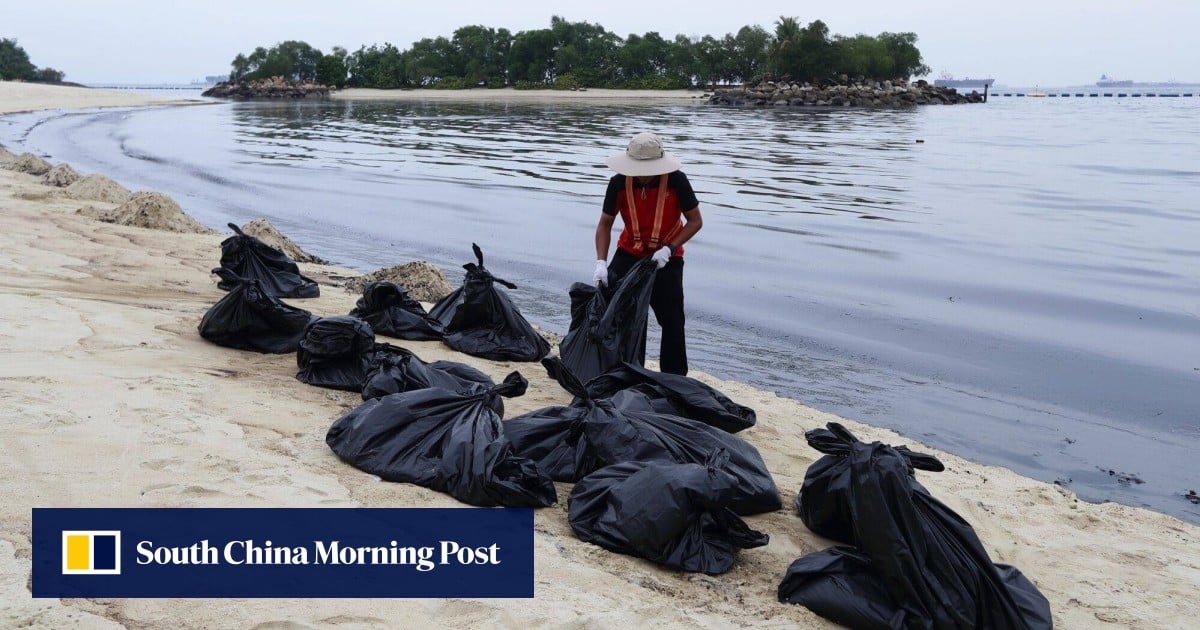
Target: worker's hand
{"x":600,"y":275}
{"x":661,"y":256}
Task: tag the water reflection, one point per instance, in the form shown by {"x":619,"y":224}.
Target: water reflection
{"x":795,"y":164}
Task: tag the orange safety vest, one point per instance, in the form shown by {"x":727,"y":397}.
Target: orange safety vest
{"x":644,"y":223}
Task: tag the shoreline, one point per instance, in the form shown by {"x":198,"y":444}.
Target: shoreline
{"x":523,"y":96}
{"x":20,"y":97}
{"x":115,"y":401}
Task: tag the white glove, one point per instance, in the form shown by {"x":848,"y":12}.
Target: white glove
{"x":661,"y":256}
{"x":600,"y":275}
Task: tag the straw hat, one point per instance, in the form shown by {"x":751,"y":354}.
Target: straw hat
{"x":644,"y":157}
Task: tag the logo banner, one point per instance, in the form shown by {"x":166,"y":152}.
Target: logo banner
{"x":282,"y":552}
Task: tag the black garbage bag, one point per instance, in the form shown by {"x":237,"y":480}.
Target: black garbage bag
{"x":336,"y":352}
{"x":674,"y":514}
{"x":249,"y":318}
{"x":445,"y":441}
{"x":609,"y":327}
{"x":481,"y":320}
{"x":823,"y":502}
{"x":248,"y":257}
{"x":672,"y":394}
{"x":553,"y":437}
{"x":399,"y":370}
{"x":915,"y":563}
{"x":572,"y":442}
{"x":390,"y":311}
{"x":842,"y":584}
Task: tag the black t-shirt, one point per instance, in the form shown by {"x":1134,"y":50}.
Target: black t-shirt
{"x":676,"y":180}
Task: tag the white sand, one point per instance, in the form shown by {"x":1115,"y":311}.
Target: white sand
{"x":16,"y":96}
{"x":111,"y":399}
{"x":527,"y":96}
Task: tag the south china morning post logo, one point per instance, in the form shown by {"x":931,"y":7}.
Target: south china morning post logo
{"x":275,"y":552}
{"x":320,"y":552}
{"x":91,"y":552}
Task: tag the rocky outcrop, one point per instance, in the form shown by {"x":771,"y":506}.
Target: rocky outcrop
{"x":273,"y":88}
{"x":769,"y":92}
{"x":424,"y":282}
{"x":60,"y":176}
{"x":265,"y":232}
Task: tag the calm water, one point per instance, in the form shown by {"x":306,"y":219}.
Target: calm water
{"x":1016,"y":282}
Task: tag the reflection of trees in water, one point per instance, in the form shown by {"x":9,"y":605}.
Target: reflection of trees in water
{"x":808,"y":161}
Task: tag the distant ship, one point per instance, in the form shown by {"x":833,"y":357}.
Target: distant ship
{"x":1107,"y":81}
{"x":947,"y":80}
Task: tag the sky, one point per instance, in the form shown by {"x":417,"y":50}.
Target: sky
{"x":1016,"y":42}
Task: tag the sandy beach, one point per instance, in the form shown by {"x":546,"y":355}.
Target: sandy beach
{"x":522,"y":96}
{"x":113,"y":400}
{"x":28,"y":97}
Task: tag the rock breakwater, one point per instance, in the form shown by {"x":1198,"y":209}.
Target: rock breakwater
{"x":770,"y":92}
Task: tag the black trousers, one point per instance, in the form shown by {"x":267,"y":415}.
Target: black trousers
{"x":667,"y":303}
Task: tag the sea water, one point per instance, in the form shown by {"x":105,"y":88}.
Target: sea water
{"x":1016,"y":282}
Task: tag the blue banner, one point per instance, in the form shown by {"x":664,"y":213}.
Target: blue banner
{"x":232,"y":552}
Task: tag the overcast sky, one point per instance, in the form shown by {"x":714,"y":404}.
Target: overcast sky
{"x":1018,"y":42}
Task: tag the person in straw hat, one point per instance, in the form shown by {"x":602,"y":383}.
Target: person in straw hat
{"x":660,"y":213}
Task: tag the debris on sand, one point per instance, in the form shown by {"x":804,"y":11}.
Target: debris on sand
{"x":265,"y":232}
{"x":424,"y":282}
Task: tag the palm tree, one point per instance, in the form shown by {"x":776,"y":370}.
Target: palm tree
{"x":787,"y":36}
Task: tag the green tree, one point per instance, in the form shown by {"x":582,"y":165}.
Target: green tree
{"x":569,"y":54}
{"x":377,"y":67}
{"x":47,"y":75}
{"x":785,"y":50}
{"x":633,"y":59}
{"x":752,"y":44}
{"x":14,"y":61}
{"x":708,"y":58}
{"x":331,"y":68}
{"x":431,"y":60}
{"x":239,"y":67}
{"x":817,"y":55}
{"x":294,"y":60}
{"x":863,"y":55}
{"x":803,"y":53}
{"x":585,"y":50}
{"x":482,"y":54}
{"x":683,"y":60}
{"x":906,"y":58}
{"x":531,"y":57}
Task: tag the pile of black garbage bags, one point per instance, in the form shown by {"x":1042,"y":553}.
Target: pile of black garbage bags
{"x":251,"y":316}
{"x":649,"y":483}
{"x":658,"y":469}
{"x":906,"y":560}
{"x":478,"y":318}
